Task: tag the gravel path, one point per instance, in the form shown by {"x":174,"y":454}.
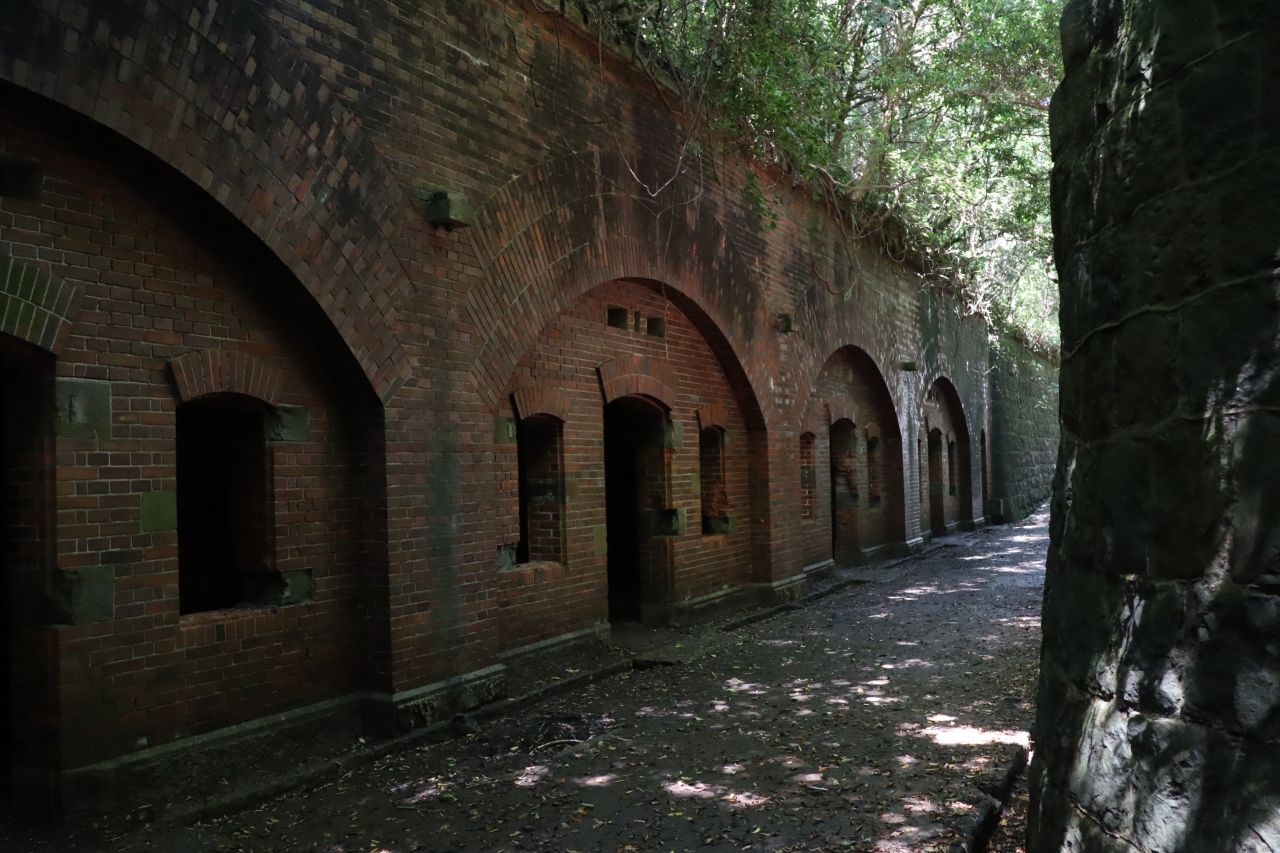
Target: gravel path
{"x":870,"y":720}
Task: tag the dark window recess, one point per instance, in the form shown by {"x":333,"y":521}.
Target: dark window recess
{"x":715,"y":493}
{"x":618,"y":317}
{"x":225,"y":517}
{"x":875,"y":473}
{"x":637,"y":321}
{"x":951,"y":467}
{"x":21,"y":179}
{"x":541,"y":462}
{"x":657,"y":327}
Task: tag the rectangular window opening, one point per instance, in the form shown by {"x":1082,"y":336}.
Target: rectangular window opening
{"x":225,"y":519}
{"x":540,"y":452}
{"x":657,"y":327}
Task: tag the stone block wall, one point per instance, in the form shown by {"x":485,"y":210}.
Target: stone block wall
{"x":1159,"y":707}
{"x":1022,"y":442}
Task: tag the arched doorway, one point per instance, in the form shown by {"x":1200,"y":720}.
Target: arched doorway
{"x":26,"y":429}
{"x":845,"y":497}
{"x":937,"y":484}
{"x":637,"y":503}
{"x":951,"y":498}
{"x":867,"y":500}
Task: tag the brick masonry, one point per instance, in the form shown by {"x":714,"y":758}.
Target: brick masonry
{"x":1023,"y":441}
{"x":235,"y":201}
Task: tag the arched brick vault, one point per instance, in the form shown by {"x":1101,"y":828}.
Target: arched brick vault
{"x":270,"y":141}
{"x":555,"y":232}
{"x":954,"y":399}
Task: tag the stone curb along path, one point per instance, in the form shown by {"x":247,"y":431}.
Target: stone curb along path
{"x":885,"y":712}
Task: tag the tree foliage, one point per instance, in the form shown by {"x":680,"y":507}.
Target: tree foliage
{"x":925,"y":119}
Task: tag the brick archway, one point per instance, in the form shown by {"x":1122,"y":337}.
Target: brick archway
{"x":557,"y":231}
{"x":34,"y":306}
{"x":205,"y":372}
{"x":272,"y":145}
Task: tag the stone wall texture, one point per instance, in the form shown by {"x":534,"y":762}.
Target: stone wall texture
{"x":1159,"y":696}
{"x":1022,"y":444}
{"x":242,"y":200}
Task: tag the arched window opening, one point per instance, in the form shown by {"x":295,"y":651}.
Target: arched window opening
{"x":875,"y":469}
{"x":225,"y":505}
{"x":808,"y":475}
{"x":540,"y":454}
{"x":715,"y":494}
{"x":951,"y":465}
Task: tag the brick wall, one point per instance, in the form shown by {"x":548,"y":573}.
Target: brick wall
{"x":1023,"y":442}
{"x":163,"y":274}
{"x":253,"y":180}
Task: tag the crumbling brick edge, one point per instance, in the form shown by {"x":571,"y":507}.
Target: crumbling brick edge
{"x":975,"y":829}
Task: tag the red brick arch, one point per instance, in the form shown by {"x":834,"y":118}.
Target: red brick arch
{"x":953,"y":400}
{"x":840,"y":407}
{"x":713,"y":415}
{"x":541,"y":399}
{"x":637,"y":374}
{"x":204,"y":372}
{"x":34,"y":306}
{"x":555,"y":232}
{"x":271,"y":143}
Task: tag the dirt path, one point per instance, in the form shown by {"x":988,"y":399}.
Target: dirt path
{"x":868,"y":720}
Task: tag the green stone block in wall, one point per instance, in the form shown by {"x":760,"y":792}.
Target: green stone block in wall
{"x":82,"y":408}
{"x":83,"y":595}
{"x":289,"y":423}
{"x":504,"y":431}
{"x":159,"y":511}
{"x":600,"y":533}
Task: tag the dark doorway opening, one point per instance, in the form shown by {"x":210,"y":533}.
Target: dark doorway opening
{"x":937,"y":485}
{"x":845,"y":498}
{"x":982,"y":446}
{"x":26,"y":427}
{"x":224,"y":508}
{"x":635,"y":430}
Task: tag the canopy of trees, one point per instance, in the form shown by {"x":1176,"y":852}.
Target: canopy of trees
{"x":925,"y":121}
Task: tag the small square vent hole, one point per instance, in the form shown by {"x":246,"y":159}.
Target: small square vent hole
{"x":657,"y":327}
{"x":617,"y":317}
{"x":20,"y":179}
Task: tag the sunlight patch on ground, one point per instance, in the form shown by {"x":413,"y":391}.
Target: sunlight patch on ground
{"x":597,"y":781}
{"x":970,"y":736}
{"x":532,"y":776}
{"x":704,"y":791}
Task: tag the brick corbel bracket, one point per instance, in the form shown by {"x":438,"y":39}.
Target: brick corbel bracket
{"x":34,"y":306}
{"x":541,"y":399}
{"x":713,"y":414}
{"x":637,"y":374}
{"x":204,"y":372}
{"x":840,"y":407}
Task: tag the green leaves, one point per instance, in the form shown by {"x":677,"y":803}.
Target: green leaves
{"x":928,"y":118}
